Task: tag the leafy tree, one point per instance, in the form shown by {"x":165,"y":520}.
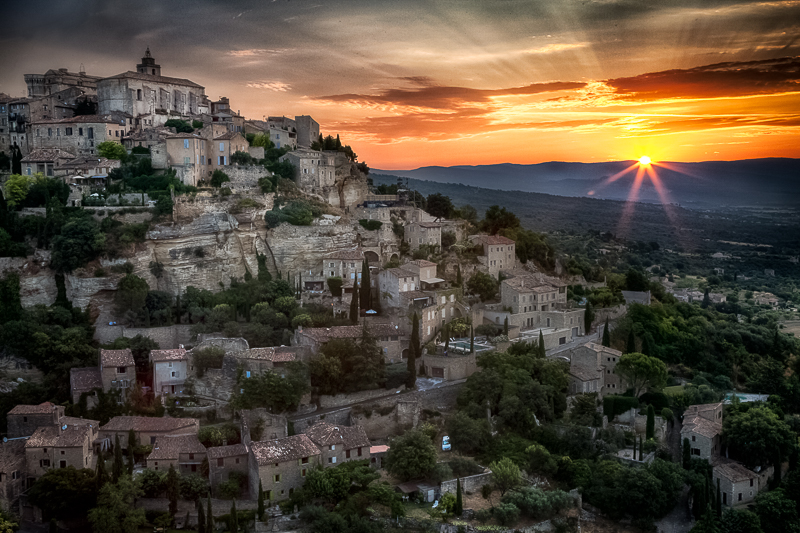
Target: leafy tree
{"x":193,"y":486}
{"x":606,"y":335}
{"x":270,"y":389}
{"x":505,"y":475}
{"x":173,"y":489}
{"x":16,"y":189}
{"x":650,"y":428}
{"x":484,"y":285}
{"x":497,"y":218}
{"x":181,"y":126}
{"x":757,"y":435}
{"x":468,"y":435}
{"x":111,"y":150}
{"x":439,"y":205}
{"x":64,"y":493}
{"x":116,"y":511}
{"x":411,"y":455}
{"x":642,"y":372}
{"x":335,"y":286}
{"x":777,"y":512}
{"x":631,"y":345}
{"x":152,"y":482}
{"x":131,"y":296}
{"x":218,"y":177}
{"x":262,"y":140}
{"x":740,"y":521}
{"x":80,"y":241}
{"x":636,"y":280}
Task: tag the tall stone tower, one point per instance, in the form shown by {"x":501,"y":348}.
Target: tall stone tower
{"x":148,"y":65}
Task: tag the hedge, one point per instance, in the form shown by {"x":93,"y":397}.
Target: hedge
{"x":616,"y":405}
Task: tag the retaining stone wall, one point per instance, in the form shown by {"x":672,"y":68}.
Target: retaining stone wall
{"x":469,"y":484}
{"x":168,"y":337}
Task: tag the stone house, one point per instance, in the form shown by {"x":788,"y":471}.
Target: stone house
{"x":12,"y":473}
{"x":281,"y":137}
{"x":426,"y":272}
{"x":345,"y":264}
{"x":147,"y":96}
{"x":59,"y":447}
{"x":56,"y":80}
{"x":434,"y":309}
{"x":255,"y":361}
{"x":19,"y":118}
{"x":118,"y":371}
{"x":85,"y":170}
{"x":170,"y":370}
{"x":45,"y":160}
{"x":222,"y":460}
{"x":389,"y":338}
{"x":85,"y":380}
{"x":147,"y":429}
{"x":702,"y":425}
{"x":392,"y":282}
{"x":307,"y":130}
{"x":184,"y":452}
{"x":281,"y":465}
{"x":188,"y":154}
{"x":78,"y":135}
{"x":738,"y":484}
{"x":283,"y":123}
{"x":449,"y":367}
{"x":419,"y":233}
{"x":338,"y":444}
{"x":314,"y":170}
{"x":596,"y":356}
{"x":498,"y":253}
{"x":223,"y":147}
{"x":584,"y":380}
{"x":378,"y":456}
{"x":24,"y":420}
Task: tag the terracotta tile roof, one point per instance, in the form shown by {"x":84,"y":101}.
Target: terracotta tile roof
{"x":529,"y":284}
{"x":347,"y":255}
{"x":324,"y":434}
{"x":85,"y":379}
{"x":82,"y":119}
{"x":218,"y":452}
{"x":145,"y":423}
{"x":110,"y":358}
{"x":493,"y":239}
{"x":54,"y":437}
{"x":401,"y":273}
{"x":42,"y":408}
{"x":701,"y":426}
{"x":153,"y":78}
{"x":349,"y":332}
{"x":45,"y":436}
{"x":282,"y":450}
{"x":276,"y":354}
{"x":88,"y":161}
{"x":46,"y":154}
{"x":428,"y":224}
{"x":73,"y":421}
{"x":170,"y":446}
{"x":226,"y":136}
{"x":11,"y":453}
{"x":158,"y":356}
{"x":734,"y":471}
{"x":378,"y":449}
{"x":184,"y":136}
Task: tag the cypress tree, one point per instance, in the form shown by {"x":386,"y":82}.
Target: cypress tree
{"x":459,"y":279}
{"x":101,"y":476}
{"x":209,"y":517}
{"x":505,"y":327}
{"x":173,"y":489}
{"x":588,"y":317}
{"x":366,"y":287}
{"x":131,"y":446}
{"x":354,"y":303}
{"x":414,"y":351}
{"x":718,"y":502}
{"x":606,"y":336}
{"x":641,"y":449}
{"x":471,"y":339}
{"x":201,"y":517}
{"x":233,"y":523}
{"x":687,"y":454}
{"x":118,"y":466}
{"x":459,"y":510}
{"x":647,"y":347}
{"x":542,"y":349}
{"x":446,"y":335}
{"x":706,"y":300}
{"x":634,"y":447}
{"x":650,"y":430}
{"x":261,"y":509}
{"x":631,"y":347}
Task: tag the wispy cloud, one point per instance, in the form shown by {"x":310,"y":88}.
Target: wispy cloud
{"x":277,"y":86}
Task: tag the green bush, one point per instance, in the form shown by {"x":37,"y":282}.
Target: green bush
{"x":506,"y":513}
{"x":658,"y":400}
{"x":206,"y":358}
{"x":616,"y":405}
{"x":140,"y":150}
{"x":218,"y":177}
{"x":370,"y":225}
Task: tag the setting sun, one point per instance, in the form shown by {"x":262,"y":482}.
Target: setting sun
{"x":644,"y":160}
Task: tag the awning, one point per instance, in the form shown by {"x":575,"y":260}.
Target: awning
{"x":432,"y":280}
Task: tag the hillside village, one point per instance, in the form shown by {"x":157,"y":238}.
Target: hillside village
{"x":260,"y":315}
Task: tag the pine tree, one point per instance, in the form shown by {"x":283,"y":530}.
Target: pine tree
{"x":201,"y":517}
{"x":354,"y":304}
{"x":173,"y":489}
{"x":606,"y":336}
{"x":687,"y":454}
{"x":650,"y":430}
{"x":233,"y":523}
{"x":459,"y":280}
{"x":446,"y":335}
{"x":459,"y":509}
{"x":131,"y":446}
{"x":366,"y":289}
{"x":634,"y":447}
{"x":414,"y":351}
{"x":209,"y":517}
{"x":471,"y":339}
{"x":118,"y":466}
{"x":631,"y":347}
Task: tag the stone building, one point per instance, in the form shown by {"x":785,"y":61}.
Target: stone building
{"x":170,"y":370}
{"x":222,"y":460}
{"x":118,"y":371}
{"x":56,"y":80}
{"x":78,"y":135}
{"x":147,"y":96}
{"x":339,"y":444}
{"x":256,"y":361}
{"x":389,"y":338}
{"x":738,"y":485}
{"x":60,"y":447}
{"x":19,"y":119}
{"x":281,"y":465}
{"x":423,"y":233}
{"x":307,"y":130}
{"x":345,"y":264}
{"x":85,"y":380}
{"x":85,"y":170}
{"x":498,"y":253}
{"x":184,"y":452}
{"x":426,"y":272}
{"x":702,"y":425}
{"x":224,"y":146}
{"x":45,"y":160}
{"x":12,"y":474}
{"x":24,"y":420}
{"x":188,"y":154}
{"x":393,"y":282}
{"x":147,"y":429}
{"x":313,"y":170}
{"x":593,"y":356}
{"x":449,"y":367}
{"x":282,"y":138}
{"x":585,"y":380}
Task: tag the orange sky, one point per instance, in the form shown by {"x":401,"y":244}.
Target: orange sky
{"x":410,"y":83}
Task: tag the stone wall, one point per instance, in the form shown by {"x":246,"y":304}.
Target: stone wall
{"x":230,"y":345}
{"x":190,"y":207}
{"x":37,"y":282}
{"x":246,"y":176}
{"x":638,"y":422}
{"x":301,"y":248}
{"x":168,"y":337}
{"x":469,"y":484}
{"x":340,"y":400}
{"x":302,"y":422}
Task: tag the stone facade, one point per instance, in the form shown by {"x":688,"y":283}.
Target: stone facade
{"x":594,"y":356}
{"x":222,"y":460}
{"x":392,"y":282}
{"x":739,"y":486}
{"x":314,"y":171}
{"x":449,"y":368}
{"x":498,"y":252}
{"x":427,"y":233}
{"x":702,"y":425}
{"x":307,"y":130}
{"x":147,"y":429}
{"x":12,"y":473}
{"x":281,"y":465}
{"x":78,"y":135}
{"x":170,"y":370}
{"x":339,"y":444}
{"x":24,"y":420}
{"x":117,"y":371}
{"x":60,"y":447}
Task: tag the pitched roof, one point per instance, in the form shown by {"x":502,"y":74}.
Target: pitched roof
{"x":226,"y":136}
{"x":528,"y":284}
{"x":324,"y":434}
{"x":54,"y":437}
{"x":585,"y":374}
{"x":116,"y":358}
{"x":282,"y":450}
{"x":82,"y":119}
{"x":734,"y":471}
{"x":276,"y":354}
{"x":178,"y":354}
{"x":85,"y":379}
{"x":218,"y":452}
{"x":701,"y":426}
{"x":153,"y":78}
{"x":145,"y":423}
{"x":349,"y":255}
{"x":47,"y":154}
{"x":42,"y":408}
{"x":349,"y":332}
{"x":493,"y":239}
{"x":88,"y":161}
{"x":170,"y":446}
{"x":603,"y":349}
{"x":12,"y":453}
{"x":400,"y":273}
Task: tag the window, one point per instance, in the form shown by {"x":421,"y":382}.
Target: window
{"x":304,"y":461}
{"x":751,"y":482}
{"x":332,"y":460}
{"x":221,"y":147}
{"x":220,"y":462}
{"x":62,"y":452}
{"x":222,"y":160}
{"x":333,"y":447}
{"x":191,"y":456}
{"x":359,"y":452}
{"x":303,"y":472}
{"x":122,"y":370}
{"x":194,"y":468}
{"x":90,"y":133}
{"x":276,"y":478}
{"x":67,"y":131}
{"x":347,"y":454}
{"x":62,"y":464}
{"x":49,"y":132}
{"x":740,"y":496}
{"x":186,"y":143}
{"x":187,"y":160}
{"x":693,"y":439}
{"x":45,"y":463}
{"x":80,"y":132}
{"x":138,"y":94}
{"x":237,"y":460}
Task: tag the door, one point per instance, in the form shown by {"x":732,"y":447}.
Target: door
{"x":437,"y":372}
{"x":574,"y":332}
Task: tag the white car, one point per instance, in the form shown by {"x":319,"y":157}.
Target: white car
{"x":446,"y":443}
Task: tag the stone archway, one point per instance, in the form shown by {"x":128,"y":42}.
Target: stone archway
{"x":372,"y":258}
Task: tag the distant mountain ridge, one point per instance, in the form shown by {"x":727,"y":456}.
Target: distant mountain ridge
{"x":767,"y":182}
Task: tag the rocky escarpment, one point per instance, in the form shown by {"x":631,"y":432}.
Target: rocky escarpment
{"x":37,"y":282}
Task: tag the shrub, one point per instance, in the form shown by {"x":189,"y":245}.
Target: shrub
{"x":206,"y":358}
{"x":506,"y":513}
{"x":464,"y":466}
{"x":335,"y":286}
{"x":486,"y":491}
{"x":226,"y":191}
{"x":616,"y":405}
{"x":370,"y":225}
{"x":218,"y":177}
{"x":140,"y":150}
{"x":99,"y":273}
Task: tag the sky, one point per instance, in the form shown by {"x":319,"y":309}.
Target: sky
{"x":459,"y":82}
